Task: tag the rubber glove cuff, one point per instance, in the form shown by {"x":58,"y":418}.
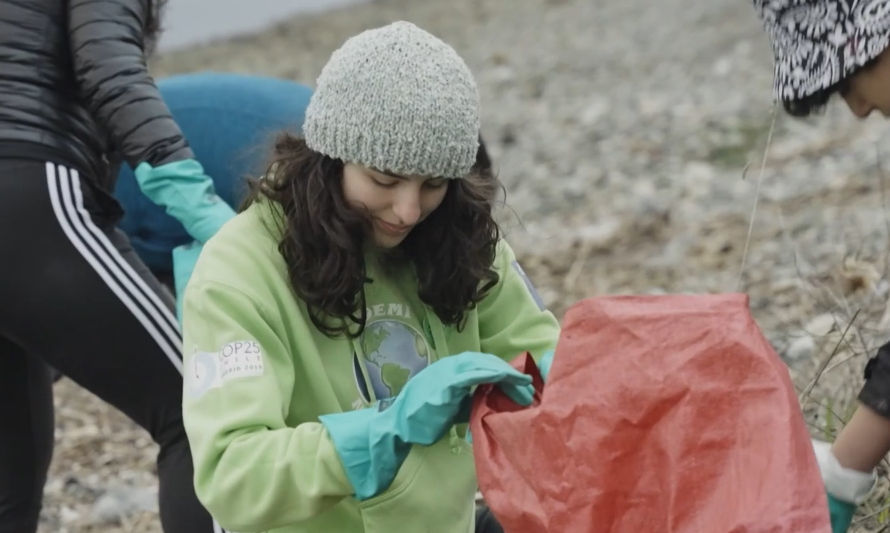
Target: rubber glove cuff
{"x":370,"y":466}
{"x":187,"y":194}
{"x":841,"y":514}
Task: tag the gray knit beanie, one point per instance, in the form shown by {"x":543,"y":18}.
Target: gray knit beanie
{"x":396,"y":99}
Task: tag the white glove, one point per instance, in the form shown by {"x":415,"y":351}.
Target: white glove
{"x":845,"y":484}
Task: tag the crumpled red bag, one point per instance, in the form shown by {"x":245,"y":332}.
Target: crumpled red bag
{"x":660,"y":414}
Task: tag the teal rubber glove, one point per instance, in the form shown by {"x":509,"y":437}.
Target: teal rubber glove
{"x":543,"y":368}
{"x":187,"y":194}
{"x":184,"y":259}
{"x":373,"y":442}
{"x":841,"y":514}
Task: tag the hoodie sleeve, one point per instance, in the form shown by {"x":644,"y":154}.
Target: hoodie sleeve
{"x":108,"y":55}
{"x":512,"y":317}
{"x":252,"y":471}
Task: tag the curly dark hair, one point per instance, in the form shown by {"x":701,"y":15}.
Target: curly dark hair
{"x":816,"y":102}
{"x":452,"y":250}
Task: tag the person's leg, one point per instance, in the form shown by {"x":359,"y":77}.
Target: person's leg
{"x":26,"y":445}
{"x":90,"y":308}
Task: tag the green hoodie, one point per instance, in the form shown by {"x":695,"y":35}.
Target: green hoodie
{"x":258,"y":374}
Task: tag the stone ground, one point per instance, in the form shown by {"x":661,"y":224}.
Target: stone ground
{"x":630,"y":137}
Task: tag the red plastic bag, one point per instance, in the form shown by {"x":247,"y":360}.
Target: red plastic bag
{"x":661,"y":414}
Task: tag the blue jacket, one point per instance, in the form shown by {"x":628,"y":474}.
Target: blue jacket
{"x":230,"y":121}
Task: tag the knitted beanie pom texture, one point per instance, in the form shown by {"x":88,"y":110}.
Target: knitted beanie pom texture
{"x":396,"y":99}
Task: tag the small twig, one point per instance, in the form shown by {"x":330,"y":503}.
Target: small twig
{"x":871,"y":515}
{"x":824,"y":364}
{"x":843,"y":361}
{"x":769,"y":142}
{"x":841,"y":302}
{"x":856,"y":331}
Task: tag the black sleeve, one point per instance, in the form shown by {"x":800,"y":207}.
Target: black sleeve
{"x":876,"y":392}
{"x":108,"y":55}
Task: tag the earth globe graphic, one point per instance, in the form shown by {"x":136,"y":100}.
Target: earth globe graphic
{"x":394,"y":352}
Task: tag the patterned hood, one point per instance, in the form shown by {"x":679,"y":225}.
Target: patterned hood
{"x":817,"y":43}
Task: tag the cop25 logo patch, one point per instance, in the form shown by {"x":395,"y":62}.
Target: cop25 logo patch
{"x":208,"y":370}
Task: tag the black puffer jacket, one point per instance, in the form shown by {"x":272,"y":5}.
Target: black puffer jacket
{"x":74,"y":86}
